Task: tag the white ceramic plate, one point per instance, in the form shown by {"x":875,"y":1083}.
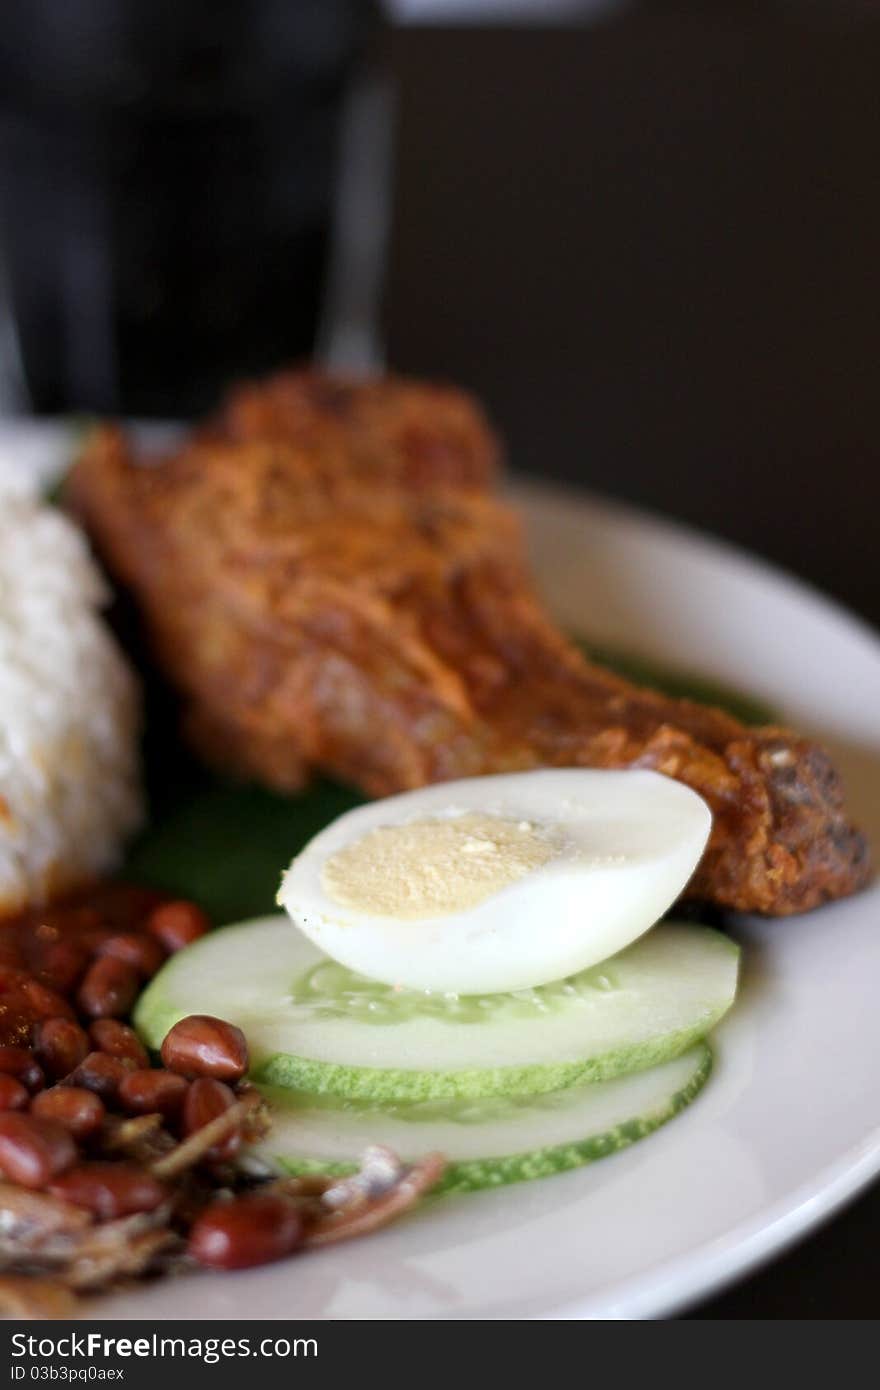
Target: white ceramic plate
{"x":789,"y":1126}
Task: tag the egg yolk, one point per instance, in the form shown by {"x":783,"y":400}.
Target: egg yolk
{"x":429,"y":868}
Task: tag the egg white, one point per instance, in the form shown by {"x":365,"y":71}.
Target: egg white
{"x":626,"y":845}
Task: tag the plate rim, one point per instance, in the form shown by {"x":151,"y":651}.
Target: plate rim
{"x":525,"y":486}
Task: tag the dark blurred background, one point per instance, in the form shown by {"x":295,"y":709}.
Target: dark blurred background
{"x":652,"y":245}
{"x":646,"y":233}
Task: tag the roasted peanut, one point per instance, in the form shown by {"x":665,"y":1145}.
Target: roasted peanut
{"x":75,"y":1109}
{"x":60,"y":1045}
{"x":44,"y":1002}
{"x":205,"y":1099}
{"x":251,"y":1230}
{"x":13,"y":1096}
{"x":13,"y":976}
{"x":118,"y":1040}
{"x":203,"y":1046}
{"x":110,"y":1190}
{"x":61,"y":964}
{"x":153,"y":1091}
{"x":148,"y":1092}
{"x":33,"y":1151}
{"x":144,"y":953}
{"x":101,"y":1073}
{"x":21,"y":1063}
{"x":177,"y":924}
{"x":109,"y":988}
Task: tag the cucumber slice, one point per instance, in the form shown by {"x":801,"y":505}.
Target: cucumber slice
{"x":488,"y":1142}
{"x":316,"y":1026}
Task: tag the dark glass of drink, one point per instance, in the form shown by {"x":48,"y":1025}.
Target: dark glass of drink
{"x":166,"y":175}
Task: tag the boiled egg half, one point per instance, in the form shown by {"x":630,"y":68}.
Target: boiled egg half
{"x":497,"y":883}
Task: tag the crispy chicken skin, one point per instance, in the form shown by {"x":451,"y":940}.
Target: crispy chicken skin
{"x":327,"y":579}
{"x":418,"y":433}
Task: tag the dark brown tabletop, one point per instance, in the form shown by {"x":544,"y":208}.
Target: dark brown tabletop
{"x":651,"y":245}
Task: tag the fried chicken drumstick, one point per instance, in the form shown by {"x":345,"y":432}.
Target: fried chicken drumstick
{"x":330,"y":583}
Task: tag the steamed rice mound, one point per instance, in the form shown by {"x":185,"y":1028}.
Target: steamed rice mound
{"x":69,"y":777}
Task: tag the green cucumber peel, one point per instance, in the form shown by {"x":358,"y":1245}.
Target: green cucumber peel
{"x":471,"y":1174}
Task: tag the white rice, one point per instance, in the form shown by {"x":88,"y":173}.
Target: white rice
{"x":69,"y":711}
